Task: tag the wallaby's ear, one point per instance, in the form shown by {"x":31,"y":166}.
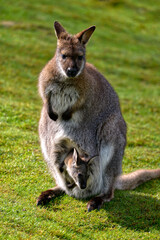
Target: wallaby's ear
{"x":75,"y":156}
{"x":85,"y":35}
{"x":58,"y":29}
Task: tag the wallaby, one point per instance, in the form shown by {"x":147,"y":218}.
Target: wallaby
{"x":79,"y":170}
{"x":80,"y":110}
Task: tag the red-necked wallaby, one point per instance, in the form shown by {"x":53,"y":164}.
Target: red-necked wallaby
{"x":81,"y":111}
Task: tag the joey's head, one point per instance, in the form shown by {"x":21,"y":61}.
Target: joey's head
{"x":77,"y":168}
{"x":70,"y":54}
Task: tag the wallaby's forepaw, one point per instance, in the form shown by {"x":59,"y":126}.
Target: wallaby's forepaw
{"x":67,"y":115}
{"x":45,"y":197}
{"x":94,"y":203}
{"x":53,"y":116}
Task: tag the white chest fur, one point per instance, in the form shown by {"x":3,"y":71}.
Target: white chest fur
{"x":63,"y":97}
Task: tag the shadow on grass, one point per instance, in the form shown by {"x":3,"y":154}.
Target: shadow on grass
{"x":130,"y":209}
{"x":134,"y":211}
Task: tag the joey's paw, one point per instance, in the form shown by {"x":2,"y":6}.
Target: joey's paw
{"x":94,"y":203}
{"x":45,"y":197}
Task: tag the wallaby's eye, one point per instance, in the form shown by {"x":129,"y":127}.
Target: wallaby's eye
{"x":80,"y":57}
{"x":64,"y":56}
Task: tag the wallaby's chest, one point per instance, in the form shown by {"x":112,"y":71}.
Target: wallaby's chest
{"x":63,"y":97}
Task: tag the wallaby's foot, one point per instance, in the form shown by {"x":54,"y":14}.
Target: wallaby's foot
{"x":97,"y":202}
{"x":49,"y":194}
{"x":94,"y":203}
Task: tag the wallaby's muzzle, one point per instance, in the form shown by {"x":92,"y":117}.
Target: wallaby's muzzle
{"x":72,"y":72}
{"x":81,"y":181}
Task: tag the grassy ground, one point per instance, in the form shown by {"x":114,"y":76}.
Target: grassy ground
{"x":125,"y":48}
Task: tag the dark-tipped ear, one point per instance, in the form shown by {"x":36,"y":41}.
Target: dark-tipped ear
{"x":85,"y":35}
{"x":58,"y":29}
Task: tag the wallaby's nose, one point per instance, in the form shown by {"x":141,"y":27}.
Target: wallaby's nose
{"x":83,"y":185}
{"x":72,"y":72}
{"x":82,"y":182}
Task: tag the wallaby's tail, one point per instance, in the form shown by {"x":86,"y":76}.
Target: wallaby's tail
{"x":134,"y":179}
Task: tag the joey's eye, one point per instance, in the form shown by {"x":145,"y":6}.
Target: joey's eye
{"x":64,"y":56}
{"x":80,"y":57}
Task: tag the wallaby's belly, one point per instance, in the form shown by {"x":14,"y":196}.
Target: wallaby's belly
{"x":50,"y":132}
{"x":84,"y":135}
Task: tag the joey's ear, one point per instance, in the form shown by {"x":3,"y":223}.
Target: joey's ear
{"x":75,"y":156}
{"x":58,"y":29}
{"x":85,"y":35}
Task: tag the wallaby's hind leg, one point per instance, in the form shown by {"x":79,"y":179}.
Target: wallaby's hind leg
{"x":112,"y":138}
{"x":49,"y":194}
{"x":111,"y":154}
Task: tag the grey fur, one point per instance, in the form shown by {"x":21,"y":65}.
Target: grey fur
{"x":82,"y":112}
{"x":96,"y":126}
{"x":99,"y":126}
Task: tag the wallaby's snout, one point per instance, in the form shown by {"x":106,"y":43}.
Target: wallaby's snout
{"x":72,"y":71}
{"x":70,"y":58}
{"x":83,"y":186}
{"x":82,"y":182}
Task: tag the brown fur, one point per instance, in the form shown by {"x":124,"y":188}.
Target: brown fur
{"x":80,"y":110}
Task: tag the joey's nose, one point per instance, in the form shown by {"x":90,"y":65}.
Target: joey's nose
{"x":72,"y":72}
{"x":82,"y":181}
{"x":83,"y":185}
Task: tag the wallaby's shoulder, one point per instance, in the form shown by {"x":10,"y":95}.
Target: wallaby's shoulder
{"x":98,"y":79}
{"x":92,"y":70}
{"x":48,"y":71}
{"x":47,"y":76}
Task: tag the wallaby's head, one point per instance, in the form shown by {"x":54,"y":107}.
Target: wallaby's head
{"x":70,"y":54}
{"x":77,"y":168}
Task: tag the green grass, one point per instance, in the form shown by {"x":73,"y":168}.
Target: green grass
{"x":125,"y":48}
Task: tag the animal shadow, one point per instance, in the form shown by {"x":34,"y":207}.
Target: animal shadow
{"x":133,"y":210}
